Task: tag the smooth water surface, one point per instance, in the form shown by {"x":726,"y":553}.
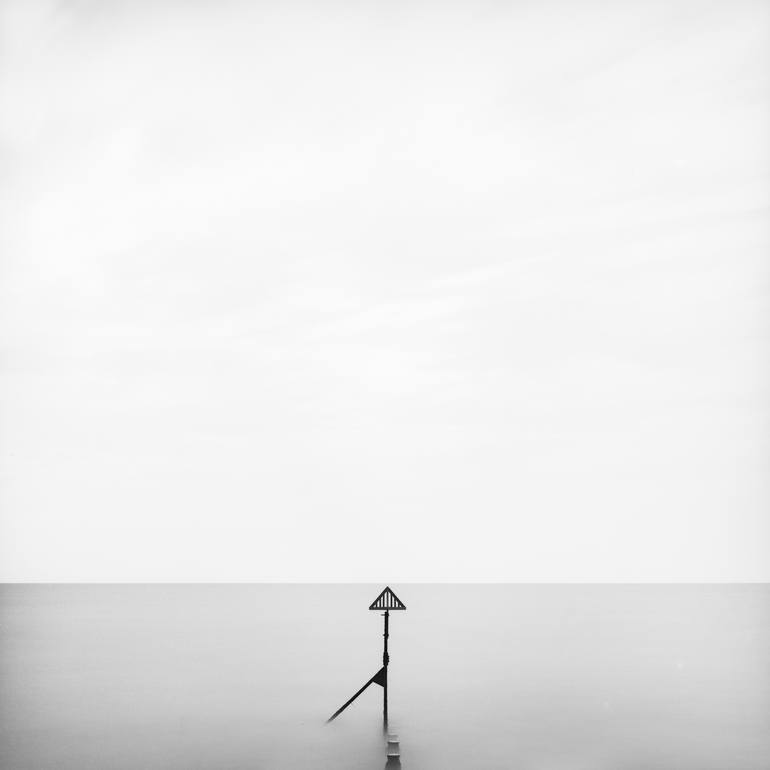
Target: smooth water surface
{"x":231,"y":677}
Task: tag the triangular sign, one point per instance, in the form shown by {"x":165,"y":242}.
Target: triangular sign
{"x":387,"y":600}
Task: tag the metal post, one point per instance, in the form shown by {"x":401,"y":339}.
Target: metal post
{"x":387,"y":601}
{"x":385,"y":660}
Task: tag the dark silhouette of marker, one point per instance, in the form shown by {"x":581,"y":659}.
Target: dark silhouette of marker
{"x":387,"y":601}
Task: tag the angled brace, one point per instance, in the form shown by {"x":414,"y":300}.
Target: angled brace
{"x":378,"y":678}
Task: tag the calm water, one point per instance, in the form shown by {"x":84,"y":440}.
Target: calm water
{"x":530,"y":677}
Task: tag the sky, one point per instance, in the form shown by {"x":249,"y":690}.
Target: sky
{"x":370,"y":291}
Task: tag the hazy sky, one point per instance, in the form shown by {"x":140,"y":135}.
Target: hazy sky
{"x":363,"y":291}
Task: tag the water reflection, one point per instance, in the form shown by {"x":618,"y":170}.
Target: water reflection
{"x":394,"y":751}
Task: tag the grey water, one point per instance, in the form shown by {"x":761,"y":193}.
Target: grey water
{"x":237,"y":677}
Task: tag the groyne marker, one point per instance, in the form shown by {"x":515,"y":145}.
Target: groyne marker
{"x":387,"y":601}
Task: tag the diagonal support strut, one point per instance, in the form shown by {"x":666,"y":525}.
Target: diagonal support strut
{"x":378,"y":678}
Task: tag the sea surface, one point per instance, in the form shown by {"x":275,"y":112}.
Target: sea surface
{"x":482,"y":677}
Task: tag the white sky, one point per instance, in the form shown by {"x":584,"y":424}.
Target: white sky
{"x":365,"y":291}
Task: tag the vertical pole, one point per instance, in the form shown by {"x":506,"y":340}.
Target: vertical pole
{"x":385,"y":660}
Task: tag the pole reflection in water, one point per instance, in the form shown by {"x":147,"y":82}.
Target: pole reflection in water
{"x":394,"y":751}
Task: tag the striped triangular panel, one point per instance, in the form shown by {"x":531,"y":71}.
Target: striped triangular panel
{"x":387,"y":600}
